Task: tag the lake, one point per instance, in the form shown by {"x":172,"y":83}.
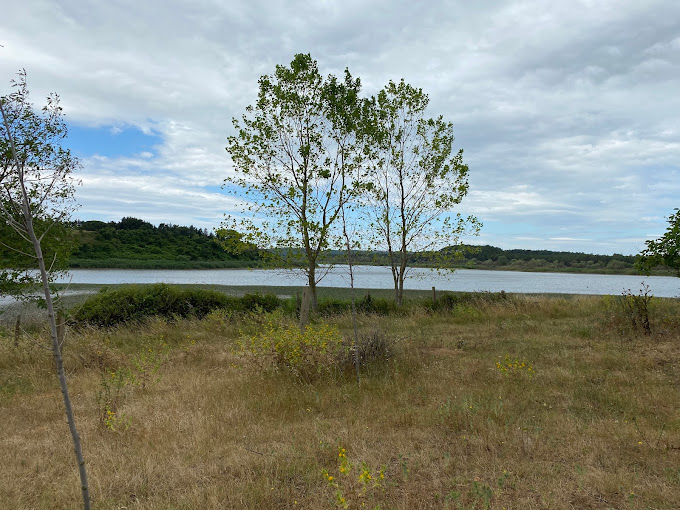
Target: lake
{"x":379,"y":277}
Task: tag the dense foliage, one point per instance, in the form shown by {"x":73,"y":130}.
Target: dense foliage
{"x":132,"y":242}
{"x":132,"y":303}
{"x":664,"y":251}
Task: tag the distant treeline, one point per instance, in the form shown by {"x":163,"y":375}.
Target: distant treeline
{"x":137,"y":244}
{"x":134,"y":243}
{"x":491,"y":257}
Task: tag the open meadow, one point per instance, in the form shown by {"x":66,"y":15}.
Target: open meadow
{"x":495,"y":401}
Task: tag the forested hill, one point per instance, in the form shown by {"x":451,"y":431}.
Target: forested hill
{"x":134,"y":243}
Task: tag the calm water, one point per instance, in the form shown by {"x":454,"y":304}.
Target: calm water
{"x":379,"y":277}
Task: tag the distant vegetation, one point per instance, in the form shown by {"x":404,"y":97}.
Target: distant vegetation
{"x":137,"y":244}
{"x":134,"y":243}
{"x":490,"y":257}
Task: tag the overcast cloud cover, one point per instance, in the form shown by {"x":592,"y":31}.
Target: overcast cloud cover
{"x":568,"y":111}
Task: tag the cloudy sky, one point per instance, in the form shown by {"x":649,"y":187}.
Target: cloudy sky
{"x":568,"y":110}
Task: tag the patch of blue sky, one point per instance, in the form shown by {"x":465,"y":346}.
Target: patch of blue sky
{"x":214,"y":189}
{"x":111,"y":141}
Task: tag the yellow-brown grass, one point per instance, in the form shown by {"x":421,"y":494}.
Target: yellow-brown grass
{"x":596,"y":426}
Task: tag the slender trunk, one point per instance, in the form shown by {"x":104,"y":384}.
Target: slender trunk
{"x":356,"y":334}
{"x":402,"y":275}
{"x":56,"y":351}
{"x":395,"y":272}
{"x":17,"y":331}
{"x":311,"y":278}
{"x":354,"y":306}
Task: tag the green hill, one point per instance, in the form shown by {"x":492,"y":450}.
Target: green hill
{"x":134,"y":243}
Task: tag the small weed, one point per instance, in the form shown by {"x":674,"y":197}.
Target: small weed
{"x":354,"y":483}
{"x":511,"y":365}
{"x":146,"y":365}
{"x":114,"y":387}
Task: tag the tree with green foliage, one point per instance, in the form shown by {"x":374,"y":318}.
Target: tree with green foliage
{"x":664,"y":251}
{"x":36,"y":197}
{"x":415,"y":181}
{"x":293,"y":153}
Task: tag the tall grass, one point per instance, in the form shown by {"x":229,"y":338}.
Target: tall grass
{"x":595,"y":426}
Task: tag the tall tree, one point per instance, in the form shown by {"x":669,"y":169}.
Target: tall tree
{"x":293,"y":153}
{"x":416,"y":180}
{"x":36,"y":196}
{"x":664,"y":251}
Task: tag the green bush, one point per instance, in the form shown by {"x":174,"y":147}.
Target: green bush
{"x":377,"y":306}
{"x":451,"y":301}
{"x":137,"y":302}
{"x":257,"y":301}
{"x":328,"y":307}
{"x":282,"y":347}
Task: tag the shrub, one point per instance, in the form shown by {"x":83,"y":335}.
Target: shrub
{"x":328,"y":307}
{"x":304,"y":354}
{"x":630,"y":312}
{"x":377,"y":306}
{"x":257,"y":301}
{"x":137,"y":302}
{"x":373,"y":348}
{"x":449,"y":301}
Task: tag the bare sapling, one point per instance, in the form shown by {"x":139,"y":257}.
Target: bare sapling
{"x":36,"y":188}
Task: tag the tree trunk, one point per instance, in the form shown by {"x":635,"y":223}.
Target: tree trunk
{"x":17,"y":331}
{"x":304,"y":308}
{"x":56,"y":352}
{"x":395,"y":278}
{"x":400,"y":290}
{"x":311,"y":278}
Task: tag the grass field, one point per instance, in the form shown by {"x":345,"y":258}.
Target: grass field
{"x":529,"y":402}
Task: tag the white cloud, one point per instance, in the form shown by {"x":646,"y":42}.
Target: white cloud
{"x":567,"y":110}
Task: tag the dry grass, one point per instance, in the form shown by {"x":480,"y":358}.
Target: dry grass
{"x":597,"y":426}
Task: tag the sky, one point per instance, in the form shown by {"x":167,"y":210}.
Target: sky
{"x":568,"y":111}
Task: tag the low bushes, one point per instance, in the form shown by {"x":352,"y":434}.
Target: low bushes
{"x":137,"y":302}
{"x":366,"y":304}
{"x":278,"y":345}
{"x":305,"y":354}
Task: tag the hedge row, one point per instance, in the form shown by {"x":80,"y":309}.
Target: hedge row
{"x":136,"y":302}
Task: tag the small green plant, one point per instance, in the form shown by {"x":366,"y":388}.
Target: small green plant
{"x":114,"y":387}
{"x":511,"y":365}
{"x":354,"y":482}
{"x":146,"y":365}
{"x":306,"y":354}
